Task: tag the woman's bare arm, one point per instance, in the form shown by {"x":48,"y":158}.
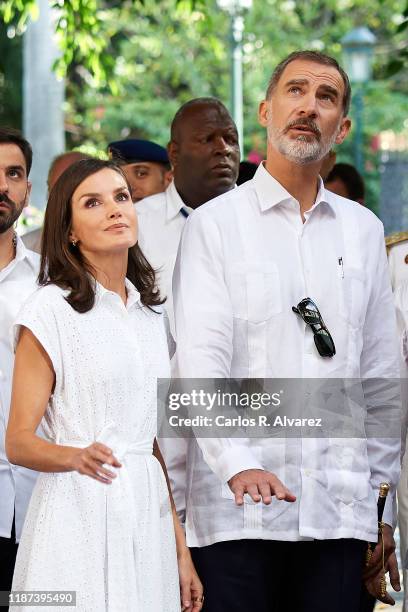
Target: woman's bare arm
{"x":190,"y":584}
{"x":33,"y":383}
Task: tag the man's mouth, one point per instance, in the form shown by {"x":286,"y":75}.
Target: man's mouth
{"x":222,"y":166}
{"x":304,"y":128}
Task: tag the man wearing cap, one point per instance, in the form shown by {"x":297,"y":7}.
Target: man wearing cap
{"x":145,"y":164}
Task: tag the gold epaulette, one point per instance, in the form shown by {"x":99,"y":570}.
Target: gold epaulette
{"x":393,"y":239}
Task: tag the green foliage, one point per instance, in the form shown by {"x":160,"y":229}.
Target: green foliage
{"x":129,"y":64}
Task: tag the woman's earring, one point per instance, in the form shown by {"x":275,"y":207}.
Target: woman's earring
{"x":74,"y":243}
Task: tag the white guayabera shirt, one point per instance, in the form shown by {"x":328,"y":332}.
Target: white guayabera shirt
{"x":161,"y":222}
{"x":245,"y":259}
{"x":17,"y":282}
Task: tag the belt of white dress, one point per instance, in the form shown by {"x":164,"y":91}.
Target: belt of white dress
{"x":110,"y":436}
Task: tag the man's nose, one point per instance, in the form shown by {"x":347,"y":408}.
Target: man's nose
{"x":222,"y":147}
{"x":308,"y":106}
{"x":3,"y":183}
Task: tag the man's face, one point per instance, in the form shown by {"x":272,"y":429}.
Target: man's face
{"x":304,"y":116}
{"x":14,"y":186}
{"x":146,"y":178}
{"x":206,"y":152}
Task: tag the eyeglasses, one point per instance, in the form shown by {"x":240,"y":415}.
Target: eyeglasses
{"x":309,"y":312}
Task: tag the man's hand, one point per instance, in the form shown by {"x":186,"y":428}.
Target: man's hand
{"x":374,"y":571}
{"x":260,"y":485}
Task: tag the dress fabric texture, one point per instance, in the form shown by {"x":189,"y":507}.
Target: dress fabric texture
{"x":112,"y":544}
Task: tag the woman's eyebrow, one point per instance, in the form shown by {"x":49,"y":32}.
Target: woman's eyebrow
{"x":98,"y":195}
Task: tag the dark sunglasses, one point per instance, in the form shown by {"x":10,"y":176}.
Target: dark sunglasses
{"x":309,"y":312}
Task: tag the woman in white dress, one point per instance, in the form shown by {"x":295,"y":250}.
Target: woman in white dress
{"x":91,"y":343}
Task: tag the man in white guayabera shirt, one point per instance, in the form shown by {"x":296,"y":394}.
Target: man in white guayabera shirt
{"x":18,"y":273}
{"x":273,"y":518}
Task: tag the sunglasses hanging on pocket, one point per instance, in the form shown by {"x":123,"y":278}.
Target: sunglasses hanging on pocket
{"x":310,"y":314}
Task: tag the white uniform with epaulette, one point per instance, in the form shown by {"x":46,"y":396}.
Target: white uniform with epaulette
{"x":397,"y":249}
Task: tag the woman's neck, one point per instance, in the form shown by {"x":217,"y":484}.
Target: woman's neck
{"x":110,"y":271}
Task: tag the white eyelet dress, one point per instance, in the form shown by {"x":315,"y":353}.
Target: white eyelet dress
{"x":112,"y":544}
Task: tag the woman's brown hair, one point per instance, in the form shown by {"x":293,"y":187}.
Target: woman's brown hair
{"x":63,"y":264}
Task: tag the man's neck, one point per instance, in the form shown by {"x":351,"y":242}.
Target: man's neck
{"x":194,"y":199}
{"x":301,"y":181}
{"x":7,"y":249}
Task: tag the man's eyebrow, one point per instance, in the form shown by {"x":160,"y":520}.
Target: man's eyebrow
{"x":98,"y":195}
{"x":16,"y":167}
{"x":330,"y":89}
{"x":296,"y":82}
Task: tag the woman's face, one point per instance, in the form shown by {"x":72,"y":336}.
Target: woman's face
{"x":103,"y":215}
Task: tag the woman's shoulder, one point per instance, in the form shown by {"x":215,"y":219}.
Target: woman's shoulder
{"x":46,"y":298}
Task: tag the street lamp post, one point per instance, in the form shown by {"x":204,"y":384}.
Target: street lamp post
{"x":236,"y":9}
{"x":358,"y":48}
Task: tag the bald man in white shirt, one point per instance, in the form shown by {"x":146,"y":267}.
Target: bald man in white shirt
{"x":274,"y":518}
{"x":18,"y":274}
{"x":204,"y":155}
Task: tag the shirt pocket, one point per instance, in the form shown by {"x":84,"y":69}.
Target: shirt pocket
{"x":345,"y":472}
{"x":352,"y":291}
{"x":273,"y":459}
{"x":255,"y":291}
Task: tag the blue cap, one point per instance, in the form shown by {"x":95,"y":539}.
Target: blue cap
{"x":134,"y":150}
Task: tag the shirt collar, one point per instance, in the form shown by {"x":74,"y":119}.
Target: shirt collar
{"x":22,"y":254}
{"x":133,"y":295}
{"x":271,"y":193}
{"x":174,"y":202}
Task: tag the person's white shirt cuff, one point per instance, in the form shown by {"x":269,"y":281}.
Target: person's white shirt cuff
{"x":234,"y":460}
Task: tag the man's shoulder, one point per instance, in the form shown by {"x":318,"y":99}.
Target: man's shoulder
{"x":34,"y":259}
{"x":353,"y":212}
{"x":226,"y":204}
{"x":153,"y":204}
{"x":396,"y":239}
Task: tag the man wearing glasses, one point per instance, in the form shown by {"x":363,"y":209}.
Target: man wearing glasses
{"x":282,"y":279}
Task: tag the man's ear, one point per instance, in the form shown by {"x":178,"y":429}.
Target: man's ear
{"x":168,"y":177}
{"x":28,"y":193}
{"x":344,"y":129}
{"x":173,"y":151}
{"x":263,"y":112}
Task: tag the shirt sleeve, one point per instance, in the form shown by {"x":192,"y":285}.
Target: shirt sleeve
{"x":380,"y":376}
{"x":204,"y":330}
{"x":38,"y":314}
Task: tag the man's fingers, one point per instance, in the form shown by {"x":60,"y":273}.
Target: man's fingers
{"x":265,"y":491}
{"x":239,"y":495}
{"x":375,"y":564}
{"x":394,"y":573}
{"x":373,"y":586}
{"x":253,"y":491}
{"x":280,"y":491}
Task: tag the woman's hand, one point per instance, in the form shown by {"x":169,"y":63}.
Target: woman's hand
{"x":191,"y":589}
{"x":90,"y":461}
